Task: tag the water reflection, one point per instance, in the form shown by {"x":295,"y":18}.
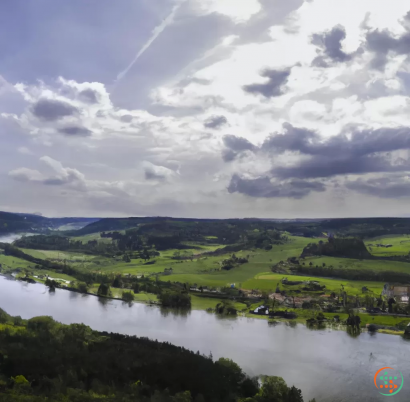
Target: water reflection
{"x":178,"y":312}
{"x":103,"y":301}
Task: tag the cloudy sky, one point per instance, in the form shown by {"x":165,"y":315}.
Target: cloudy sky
{"x":205,"y":108}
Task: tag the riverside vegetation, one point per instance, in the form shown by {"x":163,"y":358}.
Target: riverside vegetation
{"x":42,"y":360}
{"x":227,"y":266}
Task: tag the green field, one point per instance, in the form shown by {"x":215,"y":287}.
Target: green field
{"x":10,"y":262}
{"x":400,"y":245}
{"x":349,"y":263}
{"x":259,"y":261}
{"x":268,"y":281}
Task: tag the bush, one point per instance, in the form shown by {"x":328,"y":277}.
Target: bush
{"x":127,"y":296}
{"x":174,"y":299}
{"x":82,"y":287}
{"x":104,"y":290}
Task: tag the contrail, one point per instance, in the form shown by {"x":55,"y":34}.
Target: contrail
{"x":155,"y":33}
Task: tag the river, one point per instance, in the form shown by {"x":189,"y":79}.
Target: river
{"x":328,"y":365}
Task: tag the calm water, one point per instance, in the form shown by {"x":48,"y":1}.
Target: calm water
{"x":328,"y":365}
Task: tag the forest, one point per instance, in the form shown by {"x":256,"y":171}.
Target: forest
{"x":43,"y":360}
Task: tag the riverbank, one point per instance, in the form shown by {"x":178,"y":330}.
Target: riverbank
{"x":391,"y":324}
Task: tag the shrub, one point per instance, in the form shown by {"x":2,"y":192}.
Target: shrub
{"x":82,"y":287}
{"x":127,"y":296}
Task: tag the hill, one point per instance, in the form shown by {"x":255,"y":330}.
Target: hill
{"x":18,"y":222}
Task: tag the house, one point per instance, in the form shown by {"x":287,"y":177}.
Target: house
{"x":261,"y":310}
{"x":398,"y":291}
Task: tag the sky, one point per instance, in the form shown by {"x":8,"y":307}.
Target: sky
{"x":205,"y":108}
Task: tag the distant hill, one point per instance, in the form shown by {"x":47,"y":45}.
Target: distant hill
{"x":19,"y":222}
{"x":350,"y":248}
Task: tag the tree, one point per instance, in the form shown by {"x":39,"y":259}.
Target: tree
{"x":273,"y":388}
{"x":104,"y":289}
{"x":126,"y":258}
{"x":117,"y":283}
{"x":82,"y":287}
{"x":294,"y":395}
{"x":128,"y":296}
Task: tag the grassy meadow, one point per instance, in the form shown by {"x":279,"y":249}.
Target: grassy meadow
{"x":268,"y":281}
{"x":400,"y":245}
{"x":349,"y":263}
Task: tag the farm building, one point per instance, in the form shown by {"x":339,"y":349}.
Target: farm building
{"x":399,"y":291}
{"x":261,"y":310}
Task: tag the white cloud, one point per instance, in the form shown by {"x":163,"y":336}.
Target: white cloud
{"x":24,"y":151}
{"x":160,"y":156}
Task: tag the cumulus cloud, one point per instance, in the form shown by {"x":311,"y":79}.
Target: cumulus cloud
{"x":26,"y":175}
{"x":295,"y":130}
{"x":234,"y":146}
{"x":273,"y":87}
{"x":331,"y":43}
{"x":215,"y":122}
{"x":52,"y":110}
{"x":158,"y":173}
{"x":89,"y":95}
{"x":363,"y":151}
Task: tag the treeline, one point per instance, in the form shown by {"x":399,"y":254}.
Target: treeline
{"x":335,"y":247}
{"x":61,"y":243}
{"x":352,"y":274}
{"x":42,"y":360}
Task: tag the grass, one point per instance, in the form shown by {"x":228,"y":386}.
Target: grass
{"x":203,"y":303}
{"x":401,"y":245}
{"x":268,"y":281}
{"x":58,"y":255}
{"x":10,"y":262}
{"x":349,"y":263}
{"x":259,"y":261}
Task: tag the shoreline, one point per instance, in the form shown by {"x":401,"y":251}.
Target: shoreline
{"x":240,"y":314}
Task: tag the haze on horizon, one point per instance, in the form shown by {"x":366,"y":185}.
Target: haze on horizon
{"x":205,"y":108}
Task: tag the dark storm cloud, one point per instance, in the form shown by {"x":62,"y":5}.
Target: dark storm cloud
{"x":360,"y":143}
{"x":273,"y":87}
{"x":294,"y":139}
{"x":89,"y":96}
{"x":51,"y":110}
{"x":215,"y":122}
{"x":237,"y":143}
{"x":228,"y":155}
{"x":331,"y":43}
{"x":262,"y":187}
{"x":384,"y":187}
{"x":76,"y":131}
{"x":363,"y":152}
{"x":324,"y":166}
{"x":383,"y":42}
{"x":235,"y":146}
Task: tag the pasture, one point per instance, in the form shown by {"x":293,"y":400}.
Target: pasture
{"x":350,"y":263}
{"x":268,"y":281}
{"x":400,"y":245}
